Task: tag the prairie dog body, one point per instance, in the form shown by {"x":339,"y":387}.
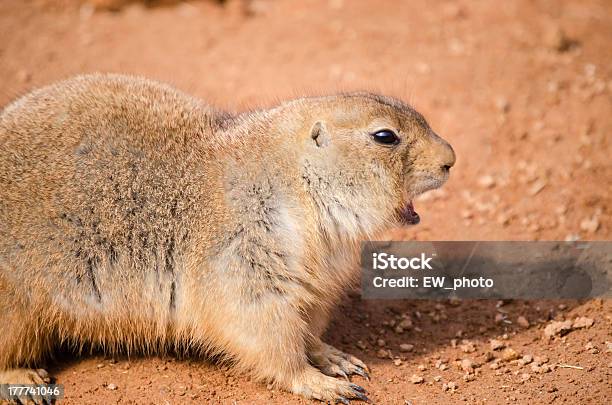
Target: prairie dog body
{"x":135,"y":217}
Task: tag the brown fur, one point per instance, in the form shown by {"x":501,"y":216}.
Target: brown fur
{"x":135,"y":217}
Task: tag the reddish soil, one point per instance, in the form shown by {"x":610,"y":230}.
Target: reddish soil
{"x":523,"y":91}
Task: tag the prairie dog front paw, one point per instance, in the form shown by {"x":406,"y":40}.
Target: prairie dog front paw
{"x":25,"y":376}
{"x":313,"y":384}
{"x":334,"y":362}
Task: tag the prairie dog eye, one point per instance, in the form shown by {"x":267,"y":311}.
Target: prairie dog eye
{"x":386,"y":137}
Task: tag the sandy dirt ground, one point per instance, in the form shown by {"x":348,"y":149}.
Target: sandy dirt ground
{"x":523,"y":91}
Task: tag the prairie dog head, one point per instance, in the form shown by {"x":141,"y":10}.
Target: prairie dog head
{"x":369,"y":157}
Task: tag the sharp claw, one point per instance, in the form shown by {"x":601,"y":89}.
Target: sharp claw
{"x":357,"y":388}
{"x":362,"y":397}
{"x":362,"y":372}
{"x":30,"y":399}
{"x":357,"y":362}
{"x":343,"y":400}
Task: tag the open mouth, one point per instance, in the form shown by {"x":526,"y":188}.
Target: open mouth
{"x":408,"y":215}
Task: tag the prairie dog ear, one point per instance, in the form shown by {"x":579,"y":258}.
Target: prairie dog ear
{"x":319,"y":134}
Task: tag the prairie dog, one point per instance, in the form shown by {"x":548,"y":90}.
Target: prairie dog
{"x":135,"y":217}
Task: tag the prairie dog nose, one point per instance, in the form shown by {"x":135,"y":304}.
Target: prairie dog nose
{"x":445,"y":153}
{"x":448,"y":157}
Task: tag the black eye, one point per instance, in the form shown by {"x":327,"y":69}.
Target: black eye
{"x":386,"y":137}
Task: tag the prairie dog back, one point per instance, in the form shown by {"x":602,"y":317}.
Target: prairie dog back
{"x":96,"y":178}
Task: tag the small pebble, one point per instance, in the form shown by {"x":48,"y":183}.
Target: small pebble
{"x":486,"y":181}
{"x":541,"y":369}
{"x":509,"y":354}
{"x":582,"y":322}
{"x":416,"y":379}
{"x":526,"y":359}
{"x":469,"y":377}
{"x":497,"y":344}
{"x":557,"y":328}
{"x":502,"y":104}
{"x":539,"y":360}
{"x":24,"y":76}
{"x":523,"y":322}
{"x":406,"y":324}
{"x":556,"y":39}
{"x":406,"y":347}
{"x":467,"y":346}
{"x":450,"y":386}
{"x":467,"y":365}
